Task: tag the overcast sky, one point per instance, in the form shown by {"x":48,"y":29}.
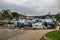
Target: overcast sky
{"x":31,"y":7}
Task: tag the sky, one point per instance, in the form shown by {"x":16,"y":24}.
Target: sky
{"x":31,"y":7}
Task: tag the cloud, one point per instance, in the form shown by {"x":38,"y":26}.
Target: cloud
{"x":31,"y":7}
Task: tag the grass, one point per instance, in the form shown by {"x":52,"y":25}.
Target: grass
{"x":54,"y":35}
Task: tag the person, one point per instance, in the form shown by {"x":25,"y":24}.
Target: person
{"x":45,"y":24}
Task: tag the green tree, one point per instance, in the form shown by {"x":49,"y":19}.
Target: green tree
{"x":15,"y":15}
{"x":6,"y":15}
{"x":57,"y":16}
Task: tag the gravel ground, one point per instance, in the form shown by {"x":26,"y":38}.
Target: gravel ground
{"x":31,"y":35}
{"x":9,"y":33}
{"x":16,"y":34}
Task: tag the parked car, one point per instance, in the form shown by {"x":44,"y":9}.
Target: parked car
{"x":37,"y":24}
{"x":50,"y":23}
{"x":24,"y":23}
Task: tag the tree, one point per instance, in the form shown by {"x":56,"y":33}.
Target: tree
{"x":57,"y":16}
{"x":8,"y":15}
{"x":5,"y":14}
{"x":15,"y":15}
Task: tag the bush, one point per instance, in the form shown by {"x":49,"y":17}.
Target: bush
{"x":54,"y":35}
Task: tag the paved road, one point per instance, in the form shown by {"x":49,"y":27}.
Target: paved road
{"x":31,"y":35}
